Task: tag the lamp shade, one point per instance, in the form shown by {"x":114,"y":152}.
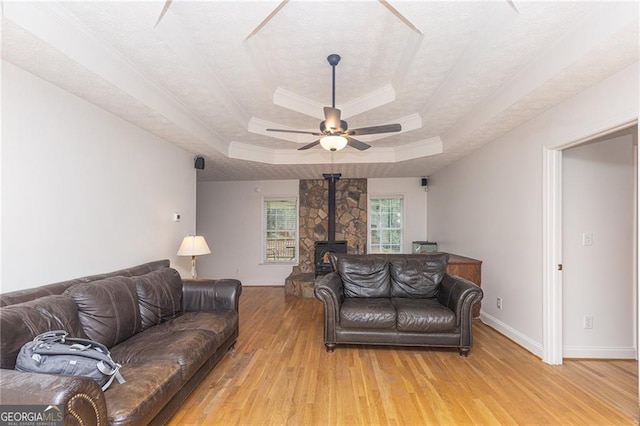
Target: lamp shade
{"x":193,"y":245}
{"x":333,"y":143}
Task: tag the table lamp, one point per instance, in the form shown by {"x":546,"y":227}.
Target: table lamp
{"x":193,"y":245}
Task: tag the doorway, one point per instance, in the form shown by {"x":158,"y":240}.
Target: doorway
{"x":552,"y":245}
{"x":598,"y":309}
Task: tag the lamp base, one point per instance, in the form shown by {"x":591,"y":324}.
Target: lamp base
{"x":194,"y":274}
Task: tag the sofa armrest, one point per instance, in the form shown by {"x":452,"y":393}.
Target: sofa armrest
{"x":80,"y":398}
{"x":211,"y":295}
{"x":329,"y":290}
{"x":459,"y":295}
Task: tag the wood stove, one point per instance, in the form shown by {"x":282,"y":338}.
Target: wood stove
{"x":324,"y":248}
{"x":322,"y":251}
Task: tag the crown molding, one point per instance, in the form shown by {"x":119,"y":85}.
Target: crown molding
{"x":410,"y":151}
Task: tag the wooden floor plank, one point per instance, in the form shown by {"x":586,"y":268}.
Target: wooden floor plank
{"x":280,"y":374}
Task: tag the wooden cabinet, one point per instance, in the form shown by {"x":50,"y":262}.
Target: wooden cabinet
{"x":469,"y":269}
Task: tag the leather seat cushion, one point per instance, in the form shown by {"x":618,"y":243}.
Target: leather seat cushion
{"x":148,"y":388}
{"x":22,"y":322}
{"x":417,"y":275}
{"x":188,"y":348}
{"x":364,"y":275}
{"x":159,"y":296}
{"x":223,"y":324}
{"x":371,"y":313}
{"x":108,"y":309}
{"x":424,"y":315}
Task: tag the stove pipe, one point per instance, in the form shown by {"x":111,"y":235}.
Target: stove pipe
{"x":332,"y":178}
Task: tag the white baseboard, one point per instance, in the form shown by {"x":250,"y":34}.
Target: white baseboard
{"x":567,"y":351}
{"x":597,"y":352}
{"x":513,"y":334}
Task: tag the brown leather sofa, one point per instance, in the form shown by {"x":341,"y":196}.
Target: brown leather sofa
{"x":396,"y":299}
{"x":167,"y":333}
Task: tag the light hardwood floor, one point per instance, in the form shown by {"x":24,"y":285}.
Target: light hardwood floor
{"x":280,"y":374}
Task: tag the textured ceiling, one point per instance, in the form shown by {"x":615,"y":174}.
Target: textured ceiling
{"x":212,"y":76}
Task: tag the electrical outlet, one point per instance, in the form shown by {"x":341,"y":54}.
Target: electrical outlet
{"x":587,"y":323}
{"x":499,"y":302}
{"x":587,"y":238}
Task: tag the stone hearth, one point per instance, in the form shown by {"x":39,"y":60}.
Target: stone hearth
{"x":301,"y":284}
{"x":351,"y":225}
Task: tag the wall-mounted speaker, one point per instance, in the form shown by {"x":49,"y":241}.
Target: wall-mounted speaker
{"x":424,"y":181}
{"x":199,"y":163}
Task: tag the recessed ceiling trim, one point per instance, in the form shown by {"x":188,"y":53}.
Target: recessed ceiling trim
{"x":493,"y":29}
{"x":54,"y":25}
{"x":374,"y":99}
{"x":264,"y":22}
{"x":592,"y":31}
{"x":419,"y":149}
{"x":400,"y":16}
{"x":290,"y":100}
{"x":414,"y":41}
{"x":242,"y":151}
{"x":369,"y":101}
{"x":169,"y":31}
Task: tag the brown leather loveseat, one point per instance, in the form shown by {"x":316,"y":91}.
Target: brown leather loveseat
{"x":166,"y":332}
{"x":396,"y":299}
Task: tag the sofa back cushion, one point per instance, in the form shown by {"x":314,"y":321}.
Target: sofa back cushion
{"x":108,"y":309}
{"x":363,"y":275}
{"x":19,"y":296}
{"x":159,"y":296}
{"x":417,"y":275}
{"x":22,"y":322}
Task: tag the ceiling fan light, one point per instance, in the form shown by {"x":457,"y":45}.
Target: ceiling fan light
{"x":333,"y":143}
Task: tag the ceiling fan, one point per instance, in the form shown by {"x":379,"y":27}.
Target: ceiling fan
{"x":334,"y":132}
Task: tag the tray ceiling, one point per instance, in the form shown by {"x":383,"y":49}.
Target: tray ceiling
{"x":212,"y":76}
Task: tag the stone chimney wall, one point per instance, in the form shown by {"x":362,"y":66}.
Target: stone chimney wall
{"x":351,"y":217}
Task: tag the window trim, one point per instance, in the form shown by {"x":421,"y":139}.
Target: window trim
{"x":263,"y":236}
{"x":403,"y":228}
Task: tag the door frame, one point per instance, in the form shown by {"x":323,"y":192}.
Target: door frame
{"x":552,"y":340}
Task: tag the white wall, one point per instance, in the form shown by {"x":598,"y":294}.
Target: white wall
{"x":488,"y":205}
{"x":597,"y":279}
{"x":414,"y":201}
{"x":230,"y":218}
{"x":83,"y":191}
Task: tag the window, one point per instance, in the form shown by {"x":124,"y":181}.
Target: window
{"x":385,"y":224}
{"x":280,"y":230}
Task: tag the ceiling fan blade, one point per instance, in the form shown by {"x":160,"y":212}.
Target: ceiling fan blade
{"x":309,"y":145}
{"x":303,"y":132}
{"x":354,"y":143}
{"x":332,"y":118}
{"x":387,"y":128}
